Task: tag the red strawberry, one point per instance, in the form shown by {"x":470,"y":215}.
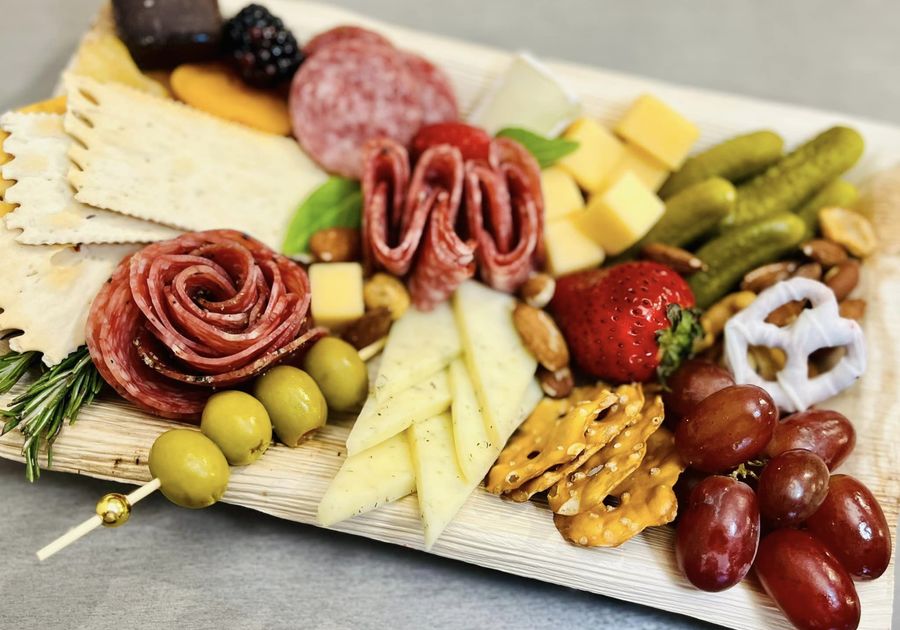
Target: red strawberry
{"x":627,"y":322}
{"x":473,"y":142}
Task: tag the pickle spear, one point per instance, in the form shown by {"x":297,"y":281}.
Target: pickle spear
{"x":689,"y":215}
{"x":734,"y":160}
{"x":840,"y":193}
{"x":731,"y":255}
{"x":795,"y":178}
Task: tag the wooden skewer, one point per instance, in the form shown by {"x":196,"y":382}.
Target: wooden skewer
{"x":94,"y":522}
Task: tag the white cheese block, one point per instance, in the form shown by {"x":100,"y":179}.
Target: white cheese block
{"x":379,"y":420}
{"x":500,"y":365}
{"x":419,"y":345}
{"x":377,"y":476}
{"x":473,"y":445}
{"x":551,"y":105}
{"x":46,"y":291}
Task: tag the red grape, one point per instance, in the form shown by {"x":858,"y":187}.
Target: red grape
{"x":828,"y":434}
{"x":791,"y":487}
{"x":693,"y":381}
{"x":853,"y":527}
{"x":808,"y":584}
{"x":718,"y":533}
{"x":727,"y":428}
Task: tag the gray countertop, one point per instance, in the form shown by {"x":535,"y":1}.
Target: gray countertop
{"x":228,"y":567}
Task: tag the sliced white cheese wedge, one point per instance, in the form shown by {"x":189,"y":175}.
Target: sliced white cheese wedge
{"x":379,"y":421}
{"x":551,"y":106}
{"x":500,"y":365}
{"x":473,"y":445}
{"x":379,"y":475}
{"x":419,"y":345}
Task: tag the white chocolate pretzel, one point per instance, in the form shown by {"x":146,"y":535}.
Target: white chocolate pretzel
{"x":818,"y":327}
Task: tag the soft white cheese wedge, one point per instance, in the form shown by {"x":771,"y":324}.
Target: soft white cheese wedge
{"x":500,"y":366}
{"x":379,"y":420}
{"x":551,"y":106}
{"x":379,"y":475}
{"x":419,"y":345}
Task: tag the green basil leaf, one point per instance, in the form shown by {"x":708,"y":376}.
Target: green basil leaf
{"x":547,"y":151}
{"x":336,"y":203}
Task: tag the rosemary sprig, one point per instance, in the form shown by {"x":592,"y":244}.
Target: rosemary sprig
{"x":13,"y":366}
{"x":55,"y":397}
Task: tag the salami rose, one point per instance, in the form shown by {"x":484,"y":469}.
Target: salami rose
{"x":205,"y":310}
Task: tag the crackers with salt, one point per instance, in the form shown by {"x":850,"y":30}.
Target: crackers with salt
{"x":47,"y":211}
{"x":162,"y":161}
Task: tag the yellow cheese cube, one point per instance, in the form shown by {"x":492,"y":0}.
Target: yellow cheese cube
{"x":648,"y":169}
{"x":619,"y":217}
{"x":568,"y":248}
{"x":561,"y":193}
{"x":659,"y":130}
{"x":597,"y":153}
{"x":337,"y":293}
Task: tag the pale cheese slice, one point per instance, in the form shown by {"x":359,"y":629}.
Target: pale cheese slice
{"x":162,"y":161}
{"x":473,"y":444}
{"x":419,"y":345}
{"x":46,"y":292}
{"x":500,"y":365}
{"x":47,"y":211}
{"x":379,"y":421}
{"x":379,"y":475}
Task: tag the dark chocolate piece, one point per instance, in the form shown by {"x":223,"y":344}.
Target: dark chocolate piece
{"x":162,"y":34}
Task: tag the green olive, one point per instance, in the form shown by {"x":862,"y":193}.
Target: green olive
{"x":336,"y":367}
{"x":238,"y":424}
{"x":294,"y":402}
{"x":190,"y":467}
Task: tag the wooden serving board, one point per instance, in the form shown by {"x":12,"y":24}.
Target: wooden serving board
{"x":111,"y":439}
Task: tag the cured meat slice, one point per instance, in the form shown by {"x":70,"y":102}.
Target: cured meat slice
{"x":445,"y":259}
{"x":436,"y":95}
{"x":509,"y":152}
{"x":347,"y":93}
{"x":204,"y":310}
{"x":343,"y":33}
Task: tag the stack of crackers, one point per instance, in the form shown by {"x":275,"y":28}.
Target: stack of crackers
{"x":604,"y":459}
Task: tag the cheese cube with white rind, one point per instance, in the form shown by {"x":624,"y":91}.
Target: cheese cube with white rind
{"x":419,"y":345}
{"x":617,"y":218}
{"x":597,"y":153}
{"x":473,"y":445}
{"x":561,"y":193}
{"x":551,"y":106}
{"x":380,"y":420}
{"x":337,"y":293}
{"x":367,"y":480}
{"x":568,"y":248}
{"x":647,"y":168}
{"x":500,"y":365}
{"x":659,"y":130}
{"x":440,"y":486}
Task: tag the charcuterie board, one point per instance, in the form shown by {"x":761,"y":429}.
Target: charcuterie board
{"x":111,"y":439}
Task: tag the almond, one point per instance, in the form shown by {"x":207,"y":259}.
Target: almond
{"x":826,"y":253}
{"x":843,"y":278}
{"x":681,"y":260}
{"x":810,"y":270}
{"x":786,"y":313}
{"x":368,"y":329}
{"x":558,"y":384}
{"x":335,"y":244}
{"x":541,"y":336}
{"x":853,"y":309}
{"x":763,"y":277}
{"x":538,"y":290}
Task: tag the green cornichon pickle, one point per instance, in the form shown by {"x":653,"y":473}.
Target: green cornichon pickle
{"x":729,"y":256}
{"x":796,"y":177}
{"x":734,"y":160}
{"x":689,"y":215}
{"x":840,"y":192}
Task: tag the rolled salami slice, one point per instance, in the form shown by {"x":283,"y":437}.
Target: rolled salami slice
{"x":343,"y":33}
{"x":204,"y":310}
{"x":506,"y":151}
{"x":347,"y":93}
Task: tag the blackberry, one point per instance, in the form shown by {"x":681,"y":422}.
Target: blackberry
{"x":262,"y":49}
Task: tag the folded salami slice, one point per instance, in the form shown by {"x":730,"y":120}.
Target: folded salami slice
{"x":204,"y":310}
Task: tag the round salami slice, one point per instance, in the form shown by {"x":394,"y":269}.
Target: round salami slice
{"x":349,"y":92}
{"x":436,"y":96}
{"x":204,"y":310}
{"x":343,"y":33}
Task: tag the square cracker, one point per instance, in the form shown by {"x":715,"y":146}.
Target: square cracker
{"x":163,"y":161}
{"x":47,"y":211}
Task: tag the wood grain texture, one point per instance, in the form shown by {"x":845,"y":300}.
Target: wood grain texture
{"x":112,"y":438}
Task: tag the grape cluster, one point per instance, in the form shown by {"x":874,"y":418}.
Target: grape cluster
{"x":759,"y":493}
